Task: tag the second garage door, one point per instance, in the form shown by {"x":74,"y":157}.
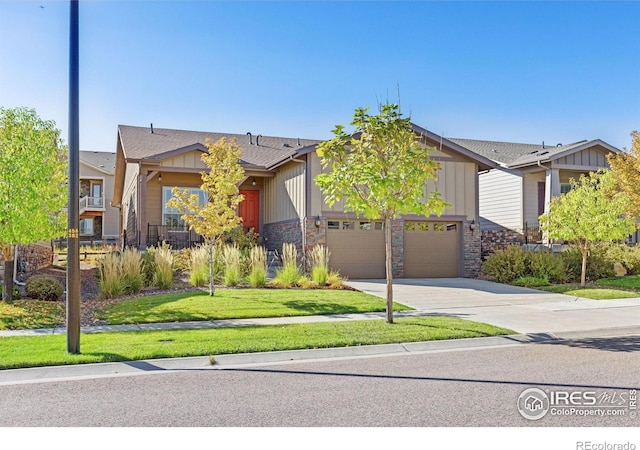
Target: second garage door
{"x":431,"y":249}
{"x":357,"y":248}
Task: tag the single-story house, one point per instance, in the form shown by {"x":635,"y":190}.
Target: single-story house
{"x":99,"y":220}
{"x":283,"y":204}
{"x":518,"y":190}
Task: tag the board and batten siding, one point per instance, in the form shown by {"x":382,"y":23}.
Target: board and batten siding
{"x":530,"y":185}
{"x":189,"y":160}
{"x":500,"y":193}
{"x":590,"y":157}
{"x":457,"y":184}
{"x":284,"y":194}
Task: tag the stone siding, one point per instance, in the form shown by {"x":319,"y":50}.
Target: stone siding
{"x":471,"y":249}
{"x":500,"y":239}
{"x":276,"y":234}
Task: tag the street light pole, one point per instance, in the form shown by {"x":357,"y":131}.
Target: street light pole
{"x":73,"y":238}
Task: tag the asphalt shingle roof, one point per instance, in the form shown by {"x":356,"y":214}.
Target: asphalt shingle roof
{"x":140,"y":143}
{"x":513,"y":153}
{"x":104,"y":161}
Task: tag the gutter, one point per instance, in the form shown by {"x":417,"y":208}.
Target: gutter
{"x":291,"y":158}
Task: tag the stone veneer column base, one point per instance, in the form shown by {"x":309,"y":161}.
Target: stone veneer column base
{"x":471,"y":250}
{"x":276,"y":234}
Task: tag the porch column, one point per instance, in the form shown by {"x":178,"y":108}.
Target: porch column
{"x":552,"y":187}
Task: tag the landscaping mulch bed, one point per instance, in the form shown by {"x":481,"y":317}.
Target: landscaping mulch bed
{"x":90,"y":293}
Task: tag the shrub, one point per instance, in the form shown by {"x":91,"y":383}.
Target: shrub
{"x":182,"y":260}
{"x":232,"y":265}
{"x":597,"y":265}
{"x":199,"y":266}
{"x":629,"y":257}
{"x":531,"y":281}
{"x":163,"y":257}
{"x":131,"y":271}
{"x":148,"y":267}
{"x":290,"y":273}
{"x":244,"y":241}
{"x":44,"y":287}
{"x":318,"y":259}
{"x":546,"y":265}
{"x":16,"y":291}
{"x":506,"y":265}
{"x":109,"y":281}
{"x":335,"y":280}
{"x":257,"y":267}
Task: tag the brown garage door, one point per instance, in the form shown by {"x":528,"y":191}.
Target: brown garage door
{"x":357,"y":248}
{"x":431,"y":249}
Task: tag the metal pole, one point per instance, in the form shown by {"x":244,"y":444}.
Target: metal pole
{"x":73,"y":239}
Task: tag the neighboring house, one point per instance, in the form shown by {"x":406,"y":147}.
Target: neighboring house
{"x":283,"y":204}
{"x":99,"y":221}
{"x":515,"y":193}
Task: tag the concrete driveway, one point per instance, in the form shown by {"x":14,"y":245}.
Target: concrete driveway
{"x":519,"y":309}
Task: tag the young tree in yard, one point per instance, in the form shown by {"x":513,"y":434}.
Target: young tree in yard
{"x":33,"y":173}
{"x":626,"y":170}
{"x":593,"y":211}
{"x":220,"y":184}
{"x":381,"y":171}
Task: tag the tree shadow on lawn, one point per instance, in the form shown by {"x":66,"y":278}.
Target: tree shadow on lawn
{"x":324,"y":308}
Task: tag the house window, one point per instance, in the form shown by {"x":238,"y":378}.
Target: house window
{"x":86,"y":226}
{"x":333,"y":225}
{"x":565,"y":187}
{"x":170,"y":216}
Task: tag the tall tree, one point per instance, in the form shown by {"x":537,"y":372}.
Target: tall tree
{"x":219,"y":213}
{"x":381,"y":170}
{"x":593,"y":211}
{"x":32,"y":184}
{"x":626,"y":170}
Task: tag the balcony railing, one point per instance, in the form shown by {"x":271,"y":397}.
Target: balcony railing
{"x":91,"y":204}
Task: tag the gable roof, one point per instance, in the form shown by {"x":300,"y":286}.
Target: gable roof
{"x":155,"y":144}
{"x":514,"y":154}
{"x":102,"y":161}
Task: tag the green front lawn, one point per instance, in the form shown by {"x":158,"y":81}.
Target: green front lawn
{"x":26,"y":314}
{"x":628,"y":282}
{"x":242,"y":304}
{"x":589,"y":292}
{"x":34,"y":351}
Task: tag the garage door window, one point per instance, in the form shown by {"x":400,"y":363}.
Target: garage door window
{"x":360,"y":225}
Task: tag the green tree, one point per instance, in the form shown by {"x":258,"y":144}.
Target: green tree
{"x":218,"y":214}
{"x":593,"y":211}
{"x":626,"y":170}
{"x":380,"y":171}
{"x":32,"y":184}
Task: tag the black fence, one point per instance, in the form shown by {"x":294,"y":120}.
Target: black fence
{"x":532,"y":233}
{"x":177,"y":237}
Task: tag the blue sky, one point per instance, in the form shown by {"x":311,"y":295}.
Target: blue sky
{"x":513,"y":71}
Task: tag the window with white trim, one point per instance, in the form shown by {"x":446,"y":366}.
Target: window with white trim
{"x":170,"y":216}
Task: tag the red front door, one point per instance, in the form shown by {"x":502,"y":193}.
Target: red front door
{"x":250,"y":210}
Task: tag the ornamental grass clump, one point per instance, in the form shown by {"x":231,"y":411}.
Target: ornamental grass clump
{"x":232,"y":259}
{"x":257,"y":267}
{"x":318,"y":259}
{"x":163,"y":258}
{"x":289,"y":275}
{"x":110,"y":282}
{"x":199,"y":266}
{"x":132,"y":277}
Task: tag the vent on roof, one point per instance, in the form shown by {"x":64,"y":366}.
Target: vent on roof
{"x":494,"y":150}
{"x":250,"y":135}
{"x":533,"y":152}
{"x":151,"y":128}
{"x":258,"y":139}
{"x":559,"y":144}
{"x":286,"y":144}
{"x":543,"y":153}
{"x":299,"y":144}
